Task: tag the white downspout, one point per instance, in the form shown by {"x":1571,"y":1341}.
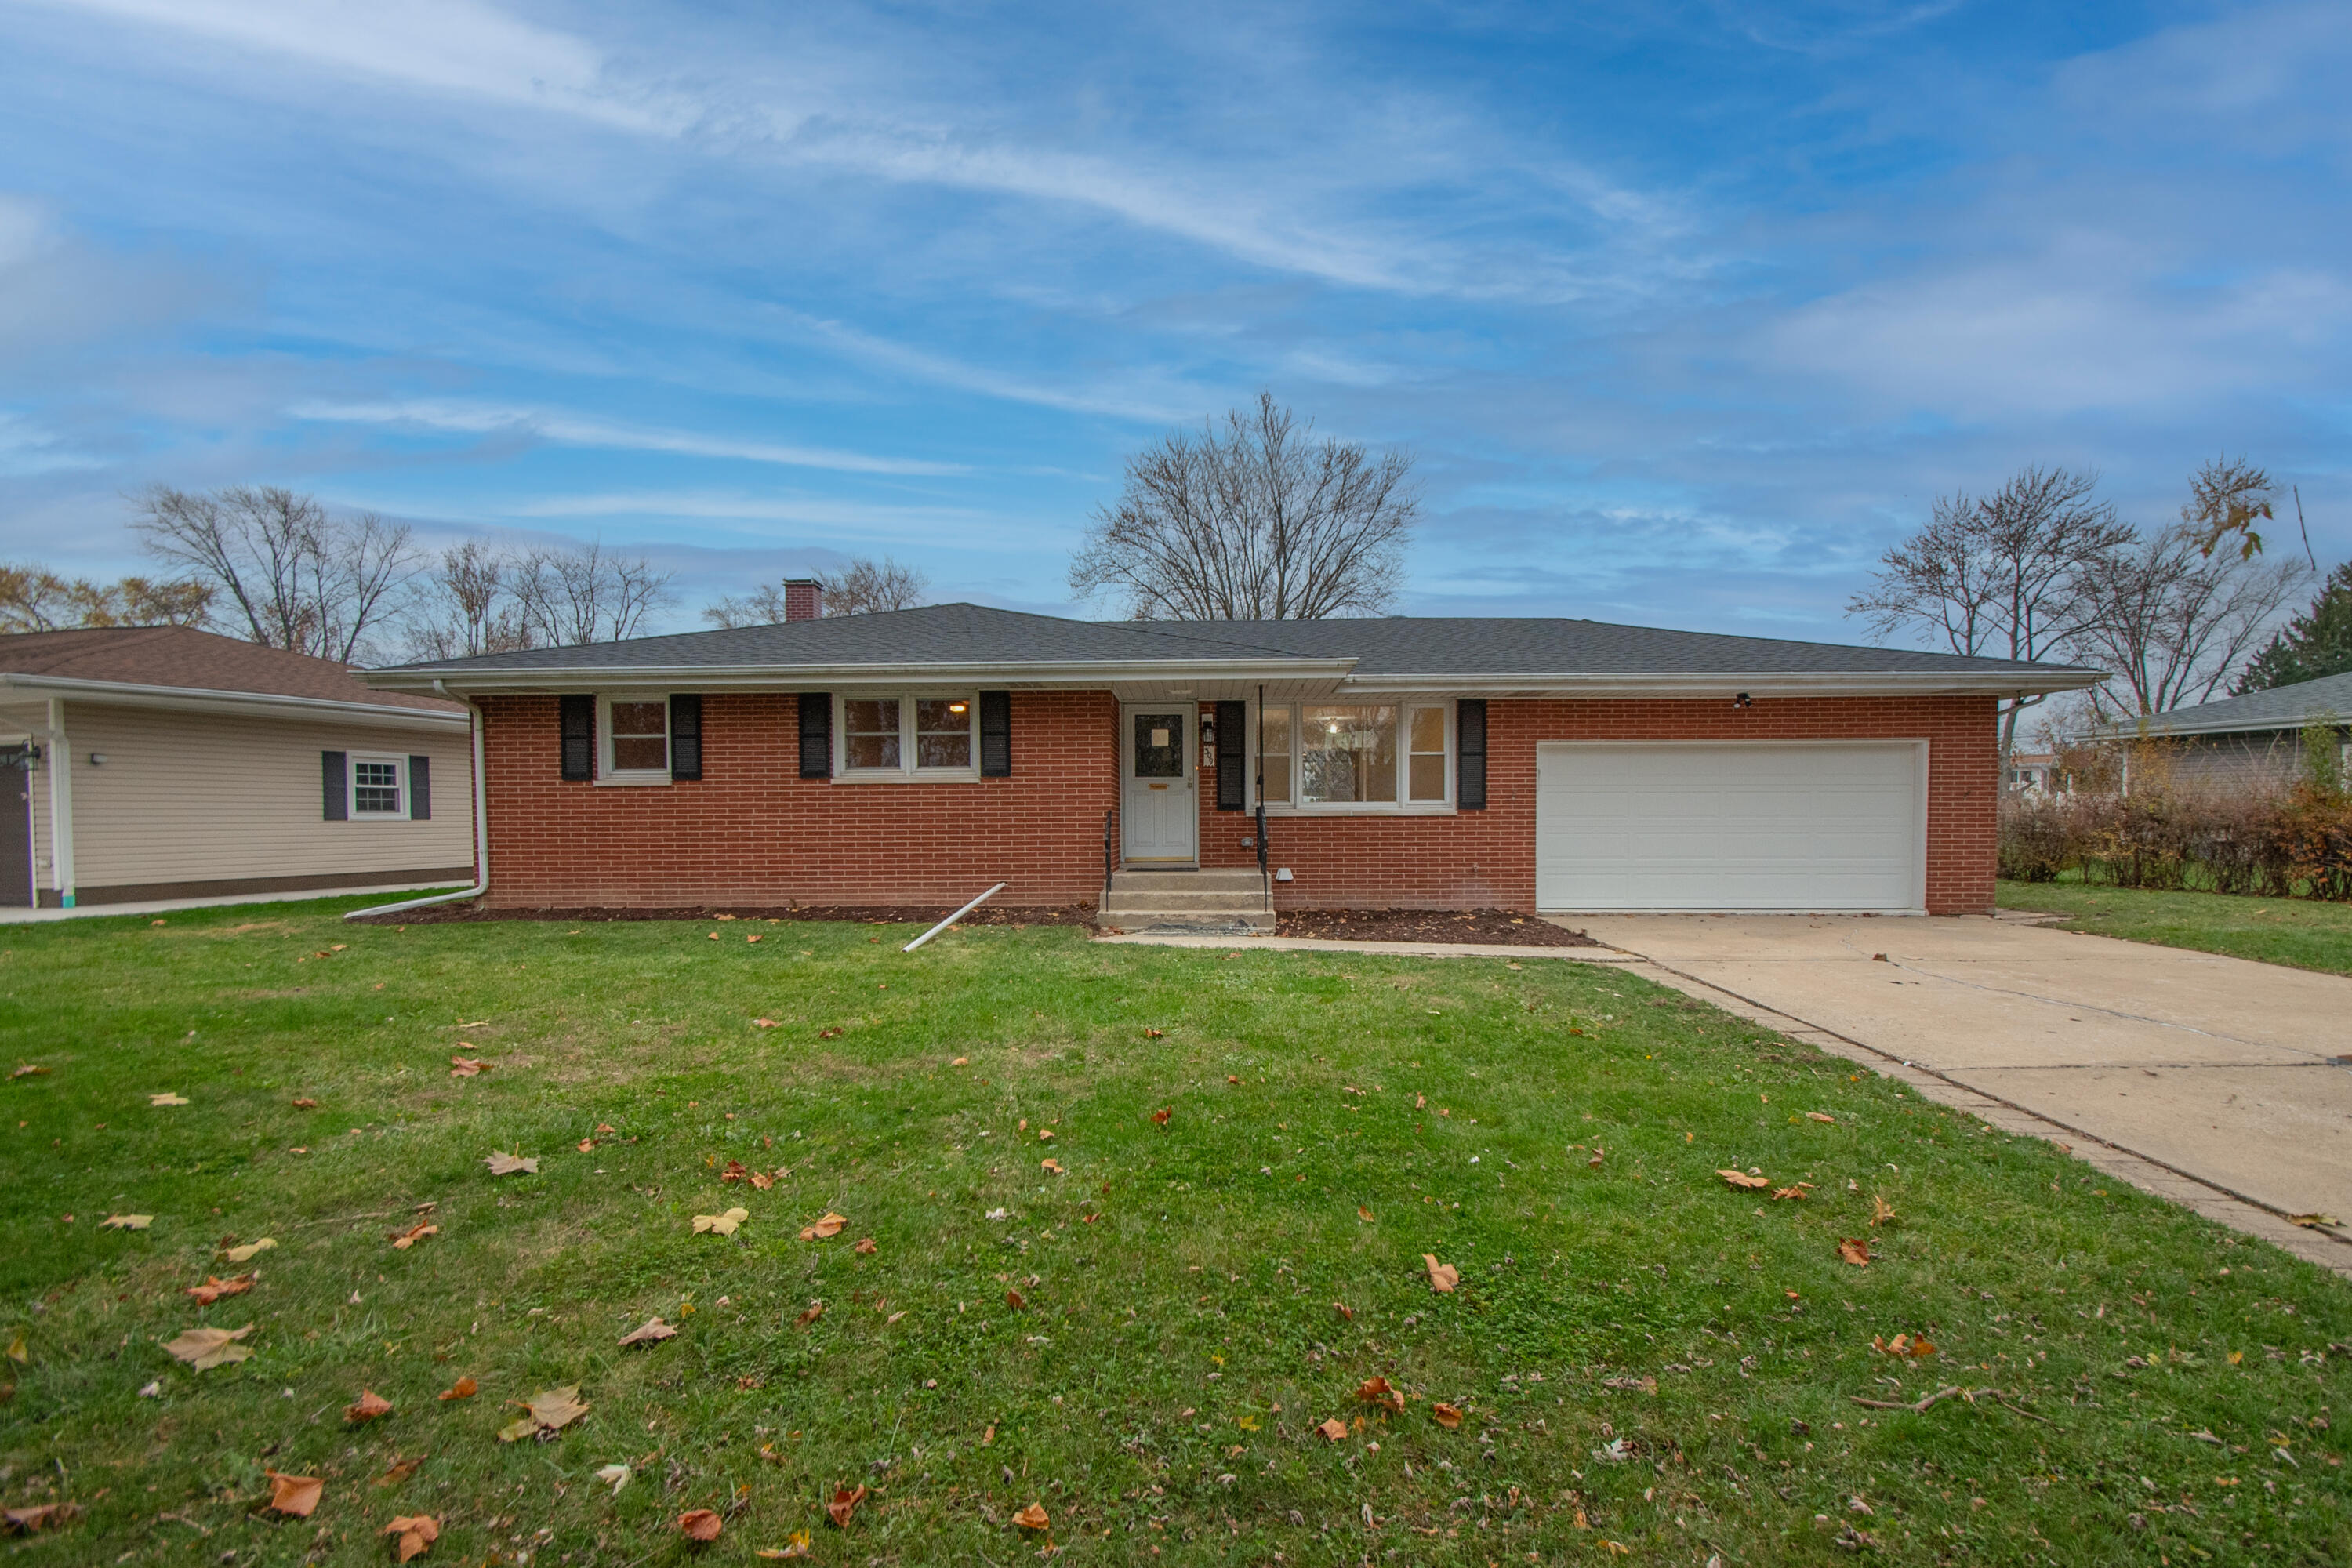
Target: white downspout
{"x":481,"y":834}
{"x":61,"y":833}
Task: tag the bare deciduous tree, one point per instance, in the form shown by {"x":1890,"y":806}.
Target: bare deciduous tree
{"x":34,"y":599}
{"x":287,"y":573}
{"x":467,"y":605}
{"x":2171,"y":621}
{"x":586,"y":594}
{"x":2000,"y":576}
{"x":1256,"y":520}
{"x":861,"y":588}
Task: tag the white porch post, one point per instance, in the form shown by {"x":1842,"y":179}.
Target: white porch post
{"x":61,"y":835}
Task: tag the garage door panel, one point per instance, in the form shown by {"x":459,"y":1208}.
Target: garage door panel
{"x":1713,"y":826}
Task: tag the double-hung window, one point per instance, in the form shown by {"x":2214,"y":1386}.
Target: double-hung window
{"x":636,"y":739}
{"x":909,"y":735}
{"x":1355,"y":757}
{"x":379,"y":786}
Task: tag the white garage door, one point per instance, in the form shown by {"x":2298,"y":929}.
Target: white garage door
{"x":1700,"y":826}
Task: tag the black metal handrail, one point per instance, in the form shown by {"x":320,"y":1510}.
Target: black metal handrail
{"x":1110,"y":863}
{"x":1260,"y":838}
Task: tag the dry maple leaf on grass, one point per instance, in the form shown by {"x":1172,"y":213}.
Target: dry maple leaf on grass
{"x":1014,"y":1300}
{"x":735,"y":1172}
{"x":416,"y":1532}
{"x":295,"y":1495}
{"x":844,"y":1503}
{"x":1880,"y":1212}
{"x":797,"y":1545}
{"x":1033,"y":1517}
{"x":1376,"y":1391}
{"x":1854,"y":1251}
{"x":1445,"y":1416}
{"x":824,"y":1229}
{"x":1742,"y":1180}
{"x":1363,"y":1213}
{"x":167,"y":1099}
{"x":762,"y":1181}
{"x":402,"y":1241}
{"x":1443,"y":1277}
{"x":250,"y":1250}
{"x":504,"y":1164}
{"x":720,"y":1224}
{"x":815,"y":1310}
{"x":215,"y":1287}
{"x":1160,"y":1116}
{"x":369,"y":1407}
{"x":126,"y":1222}
{"x":401,"y":1471}
{"x":551,"y":1410}
{"x":699,"y":1525}
{"x":469,"y":1067}
{"x":464,"y":1388}
{"x":44,"y":1516}
{"x":1821,"y":1116}
{"x":1333,"y":1430}
{"x":1051,"y":1167}
{"x":652,"y":1331}
{"x":204,"y":1348}
{"x":305,"y":1103}
{"x":866,"y":1246}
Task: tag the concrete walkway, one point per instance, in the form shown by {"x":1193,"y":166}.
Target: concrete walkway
{"x":2217,"y":1082}
{"x":165,"y":906}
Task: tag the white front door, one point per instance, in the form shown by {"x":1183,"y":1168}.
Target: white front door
{"x":1158,"y":815}
{"x":1685,"y":824}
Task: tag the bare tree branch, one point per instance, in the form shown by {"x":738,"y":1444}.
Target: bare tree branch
{"x":34,"y":599}
{"x":293,"y":575}
{"x":2172,"y":621}
{"x":1253,"y":521}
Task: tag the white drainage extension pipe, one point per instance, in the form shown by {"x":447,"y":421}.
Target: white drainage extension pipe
{"x":953,"y":918}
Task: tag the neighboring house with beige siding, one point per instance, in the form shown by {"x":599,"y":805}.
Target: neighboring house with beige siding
{"x":158,"y":762}
{"x":2254,"y":741}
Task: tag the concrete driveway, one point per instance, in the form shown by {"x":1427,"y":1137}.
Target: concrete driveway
{"x":2219,"y":1082}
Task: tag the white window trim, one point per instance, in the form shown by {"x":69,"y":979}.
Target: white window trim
{"x":1401,"y":807}
{"x":606,"y":773}
{"x":905,"y":772}
{"x":352,"y":783}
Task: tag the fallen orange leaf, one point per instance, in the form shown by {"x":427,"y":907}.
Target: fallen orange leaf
{"x":369,"y":1407}
{"x":469,"y":1067}
{"x":830,"y":1225}
{"x":1443,"y":1277}
{"x":1160,"y":1116}
{"x":464,"y":1388}
{"x":1742,"y":1179}
{"x":1880,"y":1213}
{"x":1363,"y":1213}
{"x":865,"y":1244}
{"x":844,"y":1503}
{"x":817,"y":1310}
{"x":214,"y":1287}
{"x":1854,"y":1251}
{"x":1033,"y":1517}
{"x":416,"y":1532}
{"x":1376,"y":1391}
{"x":652,"y":1331}
{"x":402,"y":1241}
{"x":699,"y":1525}
{"x":401,"y":1471}
{"x":1013,"y":1300}
{"x":1447,"y":1415}
{"x":1333,"y":1430}
{"x":295,"y":1495}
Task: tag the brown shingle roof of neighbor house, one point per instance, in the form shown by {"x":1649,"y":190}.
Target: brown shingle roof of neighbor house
{"x":193,"y":660}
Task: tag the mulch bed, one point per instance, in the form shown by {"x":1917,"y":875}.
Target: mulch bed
{"x":869,"y":914}
{"x":1490,"y":926}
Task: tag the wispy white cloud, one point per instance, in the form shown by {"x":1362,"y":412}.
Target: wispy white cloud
{"x":577,"y":430}
{"x":847,"y":524}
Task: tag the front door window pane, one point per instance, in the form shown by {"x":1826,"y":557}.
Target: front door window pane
{"x":942,"y":732}
{"x":1274,"y":756}
{"x":640,"y":736}
{"x":1159,"y":745}
{"x":869,"y":727}
{"x":1347,"y":754}
{"x":1425,"y":767}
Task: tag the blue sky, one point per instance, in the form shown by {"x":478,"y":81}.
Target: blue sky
{"x":1686,"y":311}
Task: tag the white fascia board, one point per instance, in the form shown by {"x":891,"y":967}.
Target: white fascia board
{"x":1756,"y":683}
{"x":1068,"y":675}
{"x":239,"y":704}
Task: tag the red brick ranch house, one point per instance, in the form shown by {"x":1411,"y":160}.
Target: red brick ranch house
{"x":1219,"y":770}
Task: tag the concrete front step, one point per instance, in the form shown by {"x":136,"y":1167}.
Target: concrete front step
{"x":1121,"y":898}
{"x":1205,"y":900}
{"x":1211,"y":878}
{"x":1204,"y":921}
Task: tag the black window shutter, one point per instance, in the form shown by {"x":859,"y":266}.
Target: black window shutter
{"x":685,"y":736}
{"x":334,"y":786}
{"x":1470,"y":753}
{"x":420,"y":789}
{"x":579,"y":724}
{"x":996,"y":735}
{"x":816,"y":735}
{"x":1233,"y":756}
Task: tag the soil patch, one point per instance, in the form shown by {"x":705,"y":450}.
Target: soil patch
{"x":866,"y":914}
{"x":1490,"y":926}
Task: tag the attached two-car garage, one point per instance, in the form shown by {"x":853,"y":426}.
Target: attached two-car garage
{"x":1731,"y":824}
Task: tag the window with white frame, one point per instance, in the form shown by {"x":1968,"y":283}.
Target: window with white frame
{"x":1356,"y":756}
{"x":379,"y":785}
{"x":636,"y":738}
{"x":909,"y":735}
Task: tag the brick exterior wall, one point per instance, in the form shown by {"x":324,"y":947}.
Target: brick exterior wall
{"x":1485,"y":859}
{"x":752,"y":831}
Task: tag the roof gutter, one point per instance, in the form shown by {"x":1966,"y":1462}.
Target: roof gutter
{"x":481,"y":837}
{"x":208,"y":700}
{"x":1755,"y":682}
{"x":779,"y":677}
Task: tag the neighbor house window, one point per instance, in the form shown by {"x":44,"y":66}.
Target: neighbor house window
{"x":1348,"y":756}
{"x":636,"y":743}
{"x":910,"y":736}
{"x":379,"y":786}
{"x":1356,"y":756}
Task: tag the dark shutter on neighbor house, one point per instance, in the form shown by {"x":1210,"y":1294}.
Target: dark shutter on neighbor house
{"x":420,"y":789}
{"x":579,"y":725}
{"x":1470,"y":753}
{"x":996,"y":735}
{"x":816,"y":735}
{"x":1233,"y":756}
{"x":685,"y":736}
{"x":334,"y":786}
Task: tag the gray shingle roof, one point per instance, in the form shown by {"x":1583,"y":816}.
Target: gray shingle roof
{"x":965,"y":634}
{"x":2280,"y":708}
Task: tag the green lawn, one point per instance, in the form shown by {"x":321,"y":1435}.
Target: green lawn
{"x":2302,"y":933}
{"x":1197,"y":1295}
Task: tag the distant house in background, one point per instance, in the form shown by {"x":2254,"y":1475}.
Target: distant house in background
{"x":156,"y":762}
{"x":2254,"y":740}
{"x":2037,"y":773}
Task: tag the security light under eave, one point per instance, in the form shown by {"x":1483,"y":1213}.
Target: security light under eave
{"x":957,"y":707}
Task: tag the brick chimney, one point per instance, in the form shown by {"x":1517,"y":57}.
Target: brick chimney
{"x":803,"y":599}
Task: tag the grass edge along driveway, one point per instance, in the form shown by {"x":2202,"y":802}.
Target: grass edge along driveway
{"x":1162,"y":1339}
{"x":2302,"y":933}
